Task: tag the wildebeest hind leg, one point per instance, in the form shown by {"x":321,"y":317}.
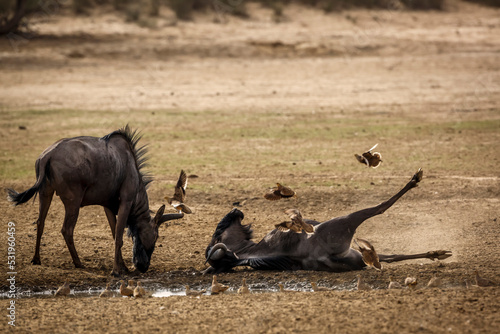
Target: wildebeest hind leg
{"x":45,"y":198}
{"x":355,"y":219}
{"x":344,"y":227}
{"x":432,"y":255}
{"x":70,"y":219}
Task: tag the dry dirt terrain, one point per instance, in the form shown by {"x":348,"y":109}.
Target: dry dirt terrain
{"x":244,"y":104}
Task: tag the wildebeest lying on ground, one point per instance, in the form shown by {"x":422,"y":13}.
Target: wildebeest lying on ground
{"x":103,"y":171}
{"x":327,"y":249}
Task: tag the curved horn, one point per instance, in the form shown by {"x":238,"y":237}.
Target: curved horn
{"x":215,"y":248}
{"x":169,"y":216}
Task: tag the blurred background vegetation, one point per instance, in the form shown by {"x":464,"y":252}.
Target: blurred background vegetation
{"x":139,"y":10}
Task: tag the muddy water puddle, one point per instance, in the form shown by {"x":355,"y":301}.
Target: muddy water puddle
{"x":159,"y":293}
{"x":162,"y":292}
{"x":166,"y":292}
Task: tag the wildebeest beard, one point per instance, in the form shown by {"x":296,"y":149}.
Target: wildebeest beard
{"x":141,"y":256}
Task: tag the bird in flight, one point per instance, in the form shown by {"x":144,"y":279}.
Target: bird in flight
{"x":177,"y":201}
{"x":370,"y":159}
{"x":279,"y":192}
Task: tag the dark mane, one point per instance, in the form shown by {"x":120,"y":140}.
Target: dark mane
{"x":229,"y":220}
{"x":133,"y":137}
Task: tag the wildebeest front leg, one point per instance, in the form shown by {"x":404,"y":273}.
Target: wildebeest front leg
{"x":70,"y":218}
{"x":45,"y":199}
{"x":119,"y":266}
{"x":111,"y":220}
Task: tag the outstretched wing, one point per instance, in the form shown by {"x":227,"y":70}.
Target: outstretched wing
{"x":182,"y":207}
{"x":376,"y":160}
{"x":373,"y":147}
{"x":273,"y":195}
{"x":183,"y":180}
{"x":364,"y":244}
{"x":284,"y":226}
{"x":307,"y":227}
{"x":362,"y":159}
{"x":180,"y":187}
{"x":285,"y":191}
{"x":294,"y":214}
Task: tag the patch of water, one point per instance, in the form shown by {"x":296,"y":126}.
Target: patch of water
{"x":158,"y":293}
{"x":161,"y":293}
{"x":165,"y":292}
{"x":168,"y":293}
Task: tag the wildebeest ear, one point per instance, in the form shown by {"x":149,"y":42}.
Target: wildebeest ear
{"x":159,"y":214}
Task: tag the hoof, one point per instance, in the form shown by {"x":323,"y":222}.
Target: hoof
{"x":122,"y":271}
{"x":418,"y":176}
{"x":209,"y":270}
{"x":135,"y":272}
{"x":439,"y":254}
{"x":36,"y":262}
{"x":115,"y":274}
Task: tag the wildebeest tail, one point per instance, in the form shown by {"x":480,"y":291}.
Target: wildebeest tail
{"x":20,"y":198}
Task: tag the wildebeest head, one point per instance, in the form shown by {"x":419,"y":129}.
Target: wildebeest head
{"x":221,"y":258}
{"x":229,"y":236}
{"x":145,"y":235}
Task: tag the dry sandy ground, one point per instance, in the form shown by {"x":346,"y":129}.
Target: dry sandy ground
{"x":219,"y":101}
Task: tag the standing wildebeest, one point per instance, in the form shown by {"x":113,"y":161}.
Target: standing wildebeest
{"x":98,"y":171}
{"x":327,"y":249}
